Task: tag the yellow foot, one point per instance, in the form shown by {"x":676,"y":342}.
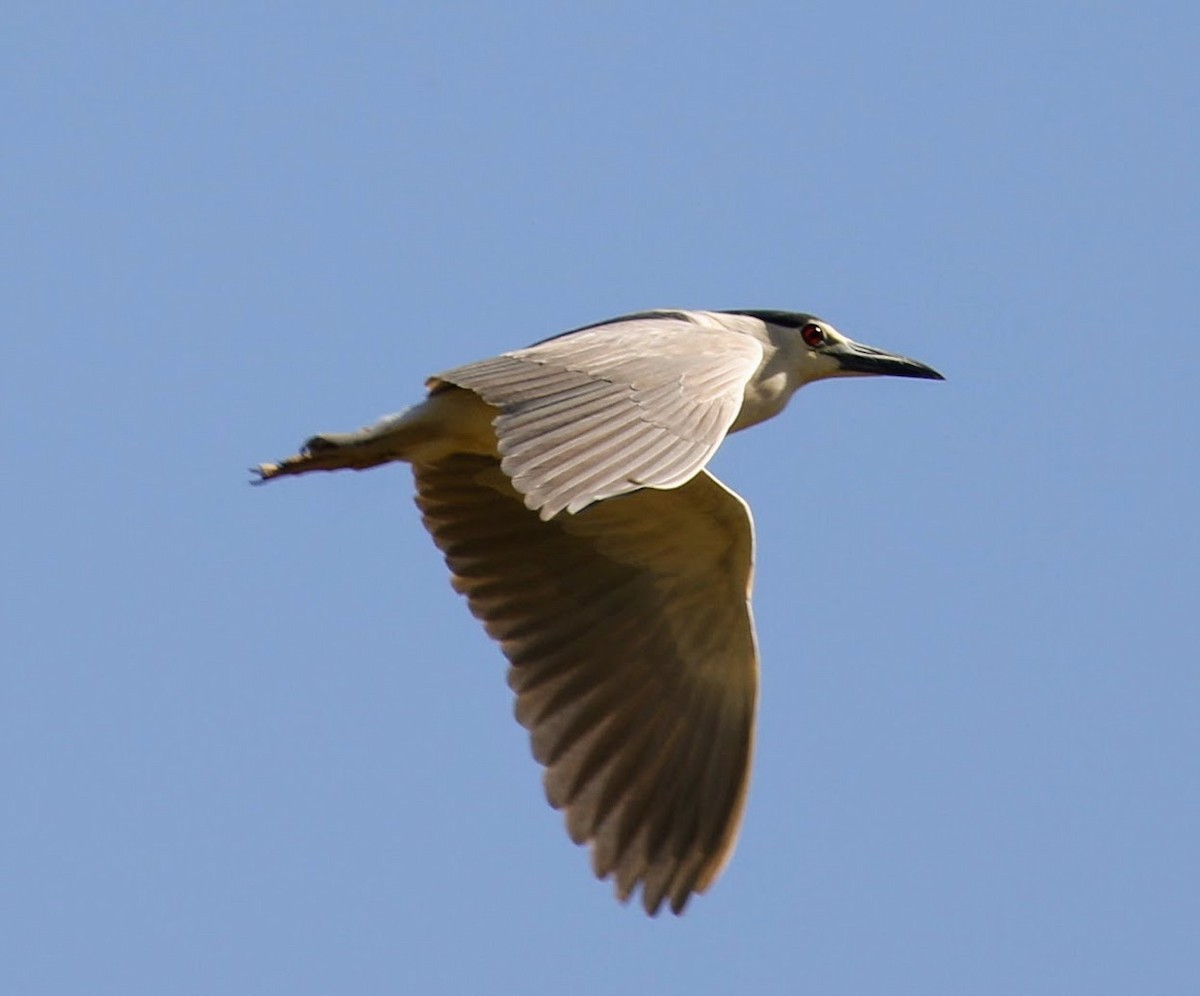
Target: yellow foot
{"x":359,"y":450}
{"x":299,"y":464}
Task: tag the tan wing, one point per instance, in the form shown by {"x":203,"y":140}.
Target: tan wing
{"x":641,"y":402}
{"x":629,"y":633}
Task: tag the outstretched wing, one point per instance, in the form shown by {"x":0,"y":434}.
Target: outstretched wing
{"x":629,"y":633}
{"x":634,"y":403}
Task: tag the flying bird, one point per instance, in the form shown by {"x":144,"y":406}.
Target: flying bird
{"x":565,"y":484}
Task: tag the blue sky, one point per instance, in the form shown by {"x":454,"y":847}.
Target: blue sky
{"x":251,"y":742}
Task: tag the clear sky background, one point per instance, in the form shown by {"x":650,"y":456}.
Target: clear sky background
{"x":251,"y":742}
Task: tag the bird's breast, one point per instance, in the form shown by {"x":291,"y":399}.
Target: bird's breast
{"x":765,"y":396}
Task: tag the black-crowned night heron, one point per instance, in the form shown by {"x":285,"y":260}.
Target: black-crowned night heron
{"x":565,"y":485}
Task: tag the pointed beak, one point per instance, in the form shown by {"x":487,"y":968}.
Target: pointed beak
{"x":855,"y":358}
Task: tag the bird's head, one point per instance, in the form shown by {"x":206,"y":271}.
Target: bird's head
{"x":822,"y":351}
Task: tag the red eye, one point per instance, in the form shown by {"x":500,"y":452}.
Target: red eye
{"x":813,"y":335}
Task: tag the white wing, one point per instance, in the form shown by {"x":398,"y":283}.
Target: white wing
{"x":640,"y":402}
{"x":629,"y":633}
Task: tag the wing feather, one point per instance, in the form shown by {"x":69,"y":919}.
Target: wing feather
{"x":572,"y":408}
{"x":627,"y":627}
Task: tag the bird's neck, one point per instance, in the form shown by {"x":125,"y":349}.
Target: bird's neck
{"x":768,"y":391}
